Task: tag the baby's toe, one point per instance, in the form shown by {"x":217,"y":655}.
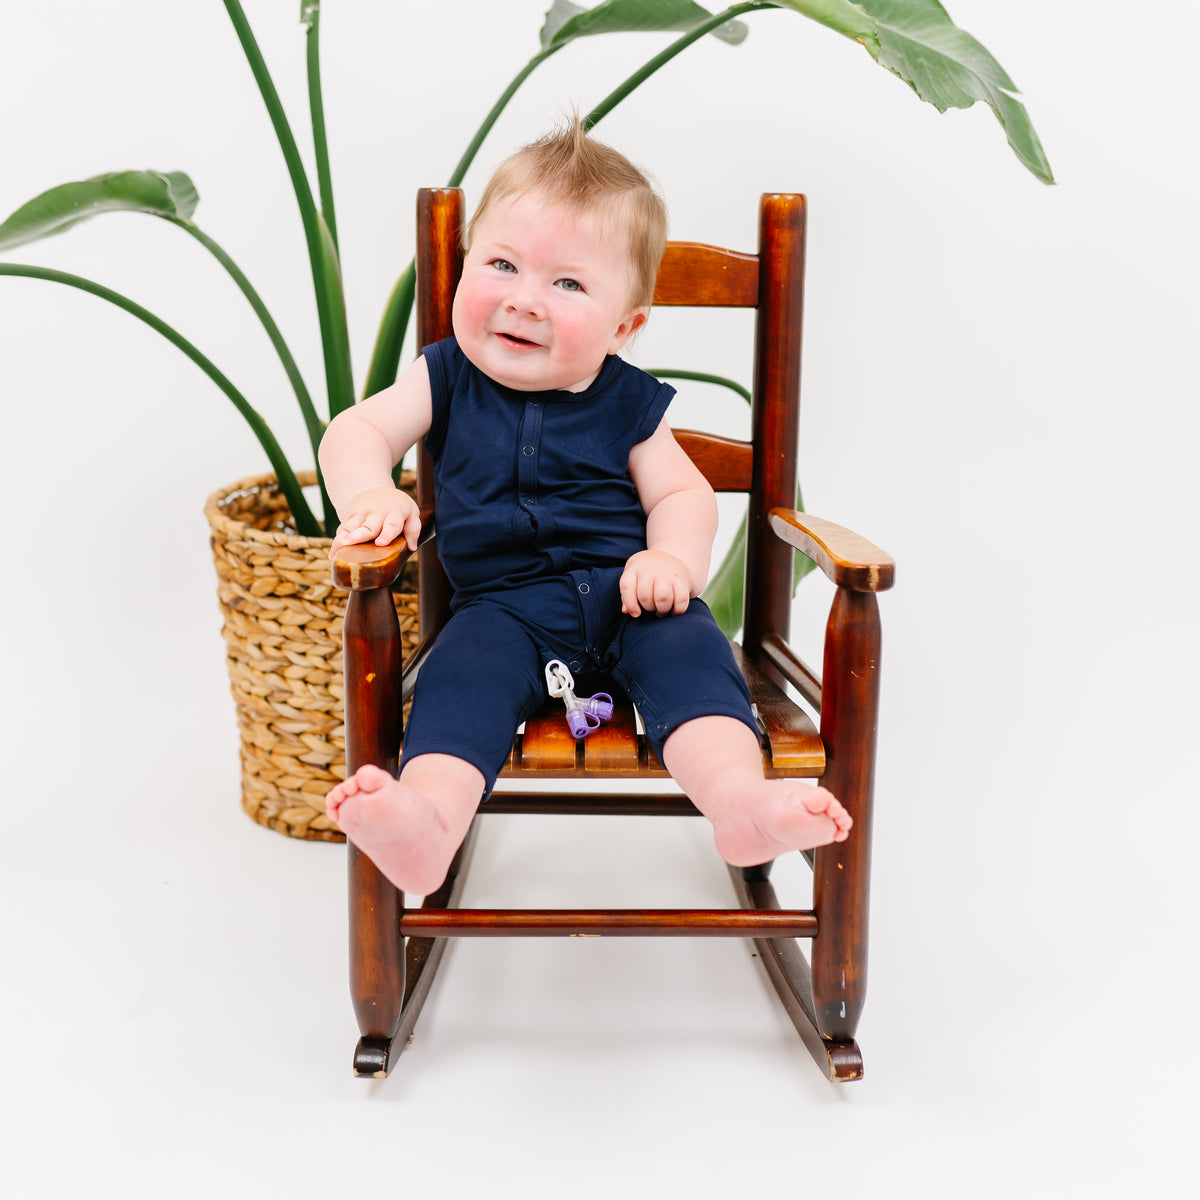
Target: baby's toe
{"x":818,"y":801}
{"x":370,"y":778}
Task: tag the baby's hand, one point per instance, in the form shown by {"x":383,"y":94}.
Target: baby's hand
{"x":379,"y":515}
{"x":656,"y":582}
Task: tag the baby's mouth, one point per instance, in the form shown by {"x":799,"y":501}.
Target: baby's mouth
{"x":512,"y":340}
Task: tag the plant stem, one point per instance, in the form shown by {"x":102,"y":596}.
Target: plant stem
{"x":312,"y":422}
{"x":701,"y":377}
{"x":456,"y":176}
{"x":306,"y":524}
{"x":676,"y":47}
{"x":316,"y":107}
{"x":389,"y":342}
{"x":331,"y":309}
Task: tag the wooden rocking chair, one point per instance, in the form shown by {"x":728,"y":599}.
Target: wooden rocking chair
{"x":395,"y":951}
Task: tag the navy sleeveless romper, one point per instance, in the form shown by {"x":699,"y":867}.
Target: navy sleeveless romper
{"x":536,"y":518}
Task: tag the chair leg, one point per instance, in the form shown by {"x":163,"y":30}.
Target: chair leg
{"x":404,"y":968}
{"x":424,"y":954}
{"x":372,"y":666}
{"x":376,"y":963}
{"x":841,"y":872}
{"x":791,"y":978}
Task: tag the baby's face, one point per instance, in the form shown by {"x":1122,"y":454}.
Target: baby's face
{"x":544,"y":296}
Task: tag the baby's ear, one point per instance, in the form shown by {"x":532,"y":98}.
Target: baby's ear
{"x":632,"y":323}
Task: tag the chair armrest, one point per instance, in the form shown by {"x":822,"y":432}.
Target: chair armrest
{"x":848,"y":559}
{"x":365,"y":566}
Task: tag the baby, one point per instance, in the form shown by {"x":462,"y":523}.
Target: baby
{"x":571,"y":525}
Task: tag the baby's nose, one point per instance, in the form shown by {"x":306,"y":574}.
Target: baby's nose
{"x":524,"y":299}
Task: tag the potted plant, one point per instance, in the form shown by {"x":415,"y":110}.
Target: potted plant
{"x":282,"y":617}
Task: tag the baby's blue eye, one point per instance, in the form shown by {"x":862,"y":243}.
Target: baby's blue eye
{"x":570,"y":285}
{"x":502,"y":264}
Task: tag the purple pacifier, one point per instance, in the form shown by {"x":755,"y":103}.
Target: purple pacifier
{"x":583,"y":715}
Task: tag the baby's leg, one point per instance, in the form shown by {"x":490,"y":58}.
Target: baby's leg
{"x":410,"y":827}
{"x":471,"y":694}
{"x":718,"y":763}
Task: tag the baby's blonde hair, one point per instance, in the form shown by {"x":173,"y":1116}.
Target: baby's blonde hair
{"x":586,"y":176}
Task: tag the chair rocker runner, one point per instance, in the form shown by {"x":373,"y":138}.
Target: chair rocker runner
{"x":395,"y":951}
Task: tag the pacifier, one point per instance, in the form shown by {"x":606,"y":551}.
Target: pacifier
{"x":583,"y":715}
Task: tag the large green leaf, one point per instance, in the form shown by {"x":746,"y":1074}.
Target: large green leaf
{"x":566,"y":21}
{"x":163,"y":194}
{"x":947,"y":67}
{"x":914,"y":39}
{"x":842,"y":16}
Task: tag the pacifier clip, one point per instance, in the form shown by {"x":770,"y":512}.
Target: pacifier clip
{"x":583,"y":715}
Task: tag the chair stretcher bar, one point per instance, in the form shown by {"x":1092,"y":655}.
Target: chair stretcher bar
{"x":466,"y":922}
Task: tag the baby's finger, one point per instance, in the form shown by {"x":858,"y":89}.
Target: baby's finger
{"x":663,"y":596}
{"x":342,"y":538}
{"x":412,"y":529}
{"x":629,"y":594}
{"x":682,"y":598}
{"x":359,"y":527}
{"x":389,"y":531}
{"x":651,"y":595}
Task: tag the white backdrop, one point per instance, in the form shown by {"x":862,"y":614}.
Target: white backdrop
{"x":996,"y":390}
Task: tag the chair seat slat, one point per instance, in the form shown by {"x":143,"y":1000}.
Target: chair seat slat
{"x":613,"y":748}
{"x":547,"y":744}
{"x":791,"y":737}
{"x":791,"y":743}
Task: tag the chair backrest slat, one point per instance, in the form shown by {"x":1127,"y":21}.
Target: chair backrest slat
{"x":694,"y":275}
{"x":726,"y":464}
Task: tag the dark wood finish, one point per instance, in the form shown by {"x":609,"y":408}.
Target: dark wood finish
{"x":789,"y":974}
{"x":728,"y":465}
{"x":841,"y":873}
{"x":849,"y":560}
{"x":371,"y":639}
{"x":824,"y":1002}
{"x":592,"y":804}
{"x":547,"y":744}
{"x":366,"y":566}
{"x":589,"y":922}
{"x":423,"y":955}
{"x":613,"y":748}
{"x":440,"y":220}
{"x":790,"y":739}
{"x":694,"y":275}
{"x":775,"y":413}
{"x":792,"y":668}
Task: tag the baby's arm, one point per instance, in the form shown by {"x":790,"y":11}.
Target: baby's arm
{"x":358,"y":451}
{"x":681,"y":522}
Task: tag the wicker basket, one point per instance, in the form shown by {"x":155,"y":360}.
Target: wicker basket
{"x":283,"y":635}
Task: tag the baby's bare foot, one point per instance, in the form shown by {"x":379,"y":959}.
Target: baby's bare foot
{"x":400,"y":830}
{"x":774,"y":816}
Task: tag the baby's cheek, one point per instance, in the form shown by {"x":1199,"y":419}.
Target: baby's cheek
{"x":470,"y":310}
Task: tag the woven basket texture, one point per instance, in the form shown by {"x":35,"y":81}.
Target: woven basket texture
{"x":283,"y":635}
